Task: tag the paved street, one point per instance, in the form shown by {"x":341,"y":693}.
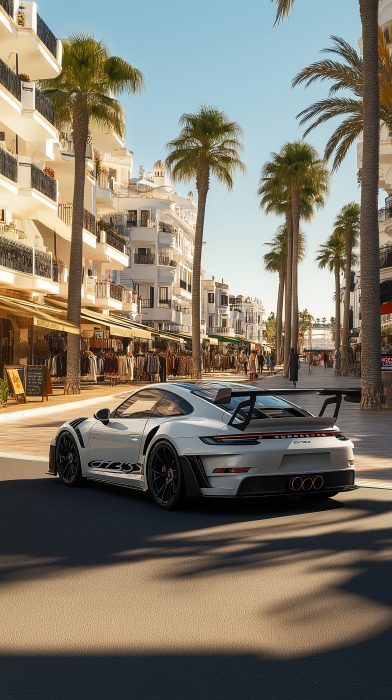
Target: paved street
{"x":105,"y":596}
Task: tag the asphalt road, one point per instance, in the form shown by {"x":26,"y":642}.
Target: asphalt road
{"x":104,"y":596}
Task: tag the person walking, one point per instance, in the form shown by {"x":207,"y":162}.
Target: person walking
{"x":245,"y":361}
{"x":293,"y":367}
{"x":252,"y":366}
{"x":325,"y":358}
{"x":272,"y":358}
{"x":310,"y":360}
{"x":260,"y":361}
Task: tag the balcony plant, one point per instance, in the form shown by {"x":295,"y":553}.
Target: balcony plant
{"x":3,"y":393}
{"x":24,"y":77}
{"x":21,"y":16}
{"x":50,"y":172}
{"x":10,"y":227}
{"x":58,"y":261}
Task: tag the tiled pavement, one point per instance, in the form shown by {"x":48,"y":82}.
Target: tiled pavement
{"x":369,"y":430}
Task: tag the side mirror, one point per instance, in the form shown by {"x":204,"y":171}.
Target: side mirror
{"x":103,"y":415}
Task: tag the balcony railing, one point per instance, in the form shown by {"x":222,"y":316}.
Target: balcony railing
{"x":68,"y":148}
{"x":165,"y":228}
{"x":8,"y":165}
{"x":106,"y":182}
{"x":386,"y":257}
{"x":44,"y":106}
{"x":65,"y":213}
{"x":115,"y":241}
{"x":183,"y":284}
{"x":43,"y":183}
{"x":58,"y":272}
{"x":10,"y":81}
{"x":163,"y":260}
{"x":24,"y":258}
{"x":164,"y":303}
{"x":221,"y":330}
{"x":189,"y":286}
{"x":150,"y":223}
{"x":144,"y":259}
{"x":46,"y":35}
{"x":146,"y":304}
{"x":117,"y":292}
{"x":384,"y":214}
{"x":8,"y":6}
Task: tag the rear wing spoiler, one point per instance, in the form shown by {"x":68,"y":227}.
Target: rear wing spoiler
{"x":225,"y":395}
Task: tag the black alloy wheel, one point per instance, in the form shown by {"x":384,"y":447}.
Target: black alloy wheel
{"x":68,"y":460}
{"x":164,"y":476}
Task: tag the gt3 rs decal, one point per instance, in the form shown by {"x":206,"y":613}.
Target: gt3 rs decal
{"x":124,"y":467}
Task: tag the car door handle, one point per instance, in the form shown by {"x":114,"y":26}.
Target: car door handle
{"x":134,"y":437}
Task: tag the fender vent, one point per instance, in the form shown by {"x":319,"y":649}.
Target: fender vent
{"x":75,"y":424}
{"x":198,"y":470}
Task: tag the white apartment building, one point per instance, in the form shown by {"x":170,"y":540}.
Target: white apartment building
{"x":36,"y":190}
{"x":160,"y":227}
{"x":385,"y":214}
{"x":216,"y":318}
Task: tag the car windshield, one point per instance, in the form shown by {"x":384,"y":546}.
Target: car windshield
{"x":265,"y":406}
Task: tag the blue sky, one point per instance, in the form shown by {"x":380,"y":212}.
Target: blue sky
{"x":227,"y":54}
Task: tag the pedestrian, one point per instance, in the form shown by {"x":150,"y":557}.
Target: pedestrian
{"x":325,"y":358}
{"x":310,"y":360}
{"x":269,"y":363}
{"x":260,"y":361}
{"x":252,"y":366}
{"x":244,"y":357}
{"x":293,"y":367}
{"x":272,"y":358}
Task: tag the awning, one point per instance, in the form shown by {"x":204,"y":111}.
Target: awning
{"x":17,"y":307}
{"x":119,"y":325}
{"x":226,"y":339}
{"x":386,"y":308}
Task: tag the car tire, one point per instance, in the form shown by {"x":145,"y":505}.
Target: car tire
{"x":68,"y":460}
{"x":164,"y":476}
{"x":319,"y":496}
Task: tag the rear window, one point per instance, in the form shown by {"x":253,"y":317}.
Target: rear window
{"x":265,"y":406}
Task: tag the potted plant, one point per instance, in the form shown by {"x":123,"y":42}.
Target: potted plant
{"x":58,"y":261}
{"x":3,"y":393}
{"x":24,"y":77}
{"x":50,"y":172}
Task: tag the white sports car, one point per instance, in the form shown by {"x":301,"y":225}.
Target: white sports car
{"x":194,"y":439}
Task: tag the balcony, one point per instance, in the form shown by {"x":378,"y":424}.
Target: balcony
{"x":22,"y":258}
{"x":68,"y":148}
{"x":65,"y":213}
{"x":8,"y":6}
{"x":385,"y":257}
{"x":8,"y":165}
{"x":46,"y":35}
{"x":149,"y":223}
{"x":43,"y":183}
{"x":10,"y":80}
{"x":183,"y":284}
{"x":105,"y":182}
{"x":165,"y":228}
{"x":221,"y":330}
{"x":164,"y":303}
{"x":144,"y":259}
{"x":163,"y":260}
{"x":44,"y":106}
{"x":147,"y":304}
{"x":112,"y":239}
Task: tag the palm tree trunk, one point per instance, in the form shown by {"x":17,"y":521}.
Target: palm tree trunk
{"x":287,"y":301}
{"x":202,"y":184}
{"x":296,"y":207}
{"x":279,"y":313}
{"x":346,"y":308}
{"x":337,"y":304}
{"x":370,"y":273}
{"x":80,"y":132}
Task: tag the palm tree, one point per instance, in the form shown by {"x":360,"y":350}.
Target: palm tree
{"x":370,"y":280}
{"x":275,"y":261}
{"x":208,"y":144}
{"x":332,"y":255}
{"x":82,"y":95}
{"x":324,"y":321}
{"x":347,"y":226}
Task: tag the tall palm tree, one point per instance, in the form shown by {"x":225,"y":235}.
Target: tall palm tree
{"x":332,"y":255}
{"x":370,"y":280}
{"x":208,"y":144}
{"x":82,"y":95}
{"x":275,"y":261}
{"x":275,"y":197}
{"x":324,"y":321}
{"x":347,"y":226}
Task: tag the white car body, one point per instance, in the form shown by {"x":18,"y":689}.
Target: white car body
{"x":278,"y":450}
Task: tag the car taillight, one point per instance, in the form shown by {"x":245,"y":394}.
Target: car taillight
{"x":231,"y":470}
{"x":231,"y":440}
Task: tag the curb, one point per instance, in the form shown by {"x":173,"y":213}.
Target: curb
{"x":29,"y":458}
{"x":31,"y":412}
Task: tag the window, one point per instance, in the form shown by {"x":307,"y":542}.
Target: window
{"x":132,"y":218}
{"x":163,"y":293}
{"x":211,"y":321}
{"x":224,"y":322}
{"x":172,"y":405}
{"x":144,"y":217}
{"x":210,"y":297}
{"x":140,"y":405}
{"x":224,"y":300}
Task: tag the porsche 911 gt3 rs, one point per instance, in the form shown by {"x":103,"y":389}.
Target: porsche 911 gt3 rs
{"x":210,"y":439}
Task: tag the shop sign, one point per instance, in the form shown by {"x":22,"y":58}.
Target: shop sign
{"x":386,"y":363}
{"x":52,"y":325}
{"x":17,"y":388}
{"x":38,"y":383}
